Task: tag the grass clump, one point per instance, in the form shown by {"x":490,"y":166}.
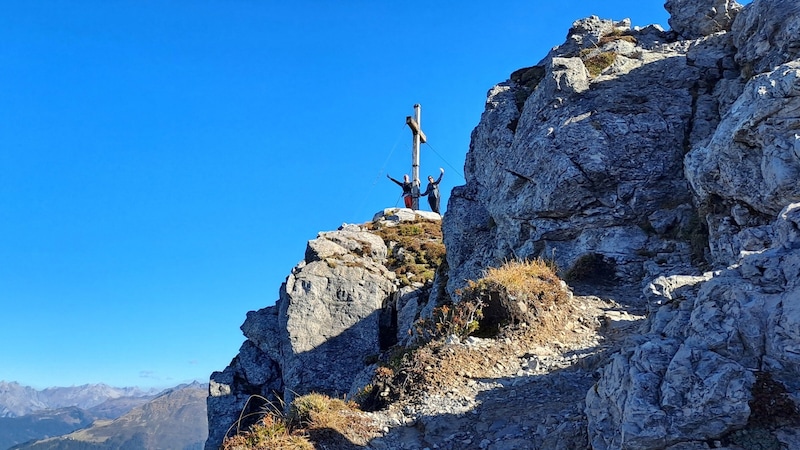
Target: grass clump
{"x":599,"y":62}
{"x":312,"y":419}
{"x":330,"y":420}
{"x":617,"y":35}
{"x":461,"y":320}
{"x":520,"y":292}
{"x":415,"y":249}
{"x":271,"y":432}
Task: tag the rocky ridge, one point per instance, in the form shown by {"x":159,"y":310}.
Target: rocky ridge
{"x":665,"y":159}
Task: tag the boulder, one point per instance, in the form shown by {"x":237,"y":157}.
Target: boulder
{"x":693,"y":19}
{"x":316,"y":338}
{"x":766,"y":35}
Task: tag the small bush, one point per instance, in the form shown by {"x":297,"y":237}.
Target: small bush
{"x":696,"y":234}
{"x":770,"y":408}
{"x":461,"y":319}
{"x":526,"y":79}
{"x":380,"y":393}
{"x":771,"y":404}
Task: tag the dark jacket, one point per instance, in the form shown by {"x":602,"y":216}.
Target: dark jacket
{"x":405,"y":185}
{"x":433,"y":188}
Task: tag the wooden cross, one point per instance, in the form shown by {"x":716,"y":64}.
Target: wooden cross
{"x":419,"y":137}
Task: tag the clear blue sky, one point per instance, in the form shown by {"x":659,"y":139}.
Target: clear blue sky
{"x":162,"y":164}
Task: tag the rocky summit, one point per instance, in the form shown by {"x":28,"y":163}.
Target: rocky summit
{"x":659,"y":170}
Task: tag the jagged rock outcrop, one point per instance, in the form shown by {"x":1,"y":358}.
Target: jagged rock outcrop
{"x":569,"y":163}
{"x":329,"y":320}
{"x":693,"y":19}
{"x":666,"y":154}
{"x":749,"y":170}
{"x":766,"y":35}
{"x":691,"y":375}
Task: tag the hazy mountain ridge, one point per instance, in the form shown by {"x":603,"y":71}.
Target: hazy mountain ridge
{"x":40,"y":424}
{"x":17,"y":400}
{"x":173,"y":419}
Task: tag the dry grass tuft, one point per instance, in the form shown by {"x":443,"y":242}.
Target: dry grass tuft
{"x":617,"y":35}
{"x":313,"y":418}
{"x":333,"y":418}
{"x":521,"y":292}
{"x":271,"y":432}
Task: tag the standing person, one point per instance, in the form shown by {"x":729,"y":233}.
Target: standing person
{"x":406,"y":185}
{"x":433,"y":191}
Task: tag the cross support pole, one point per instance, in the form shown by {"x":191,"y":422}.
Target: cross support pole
{"x":415,"y":124}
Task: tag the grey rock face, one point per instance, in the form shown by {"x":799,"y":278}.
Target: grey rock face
{"x":702,"y":349}
{"x":338,"y":309}
{"x":748,"y":171}
{"x":329,"y":319}
{"x":693,"y":19}
{"x":767,"y":34}
{"x":578,"y":164}
{"x":317,"y":336}
{"x":668,"y":154}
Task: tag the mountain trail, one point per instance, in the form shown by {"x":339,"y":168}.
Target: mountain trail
{"x":509,"y":393}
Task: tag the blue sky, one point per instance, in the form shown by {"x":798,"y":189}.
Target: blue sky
{"x":162,"y":164}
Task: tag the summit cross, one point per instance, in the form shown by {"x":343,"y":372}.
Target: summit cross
{"x":415,"y":124}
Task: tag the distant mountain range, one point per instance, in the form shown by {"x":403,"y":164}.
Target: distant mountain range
{"x":175,"y":419}
{"x":17,"y":400}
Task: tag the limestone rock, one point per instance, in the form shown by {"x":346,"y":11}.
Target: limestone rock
{"x":317,"y":336}
{"x":693,"y":19}
{"x":395,"y":215}
{"x":338,"y":309}
{"x":329,"y":321}
{"x":748,"y":171}
{"x":767,"y":34}
{"x":581,"y":163}
{"x":703,"y":357}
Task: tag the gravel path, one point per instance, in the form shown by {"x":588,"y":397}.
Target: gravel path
{"x":532,"y":396}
